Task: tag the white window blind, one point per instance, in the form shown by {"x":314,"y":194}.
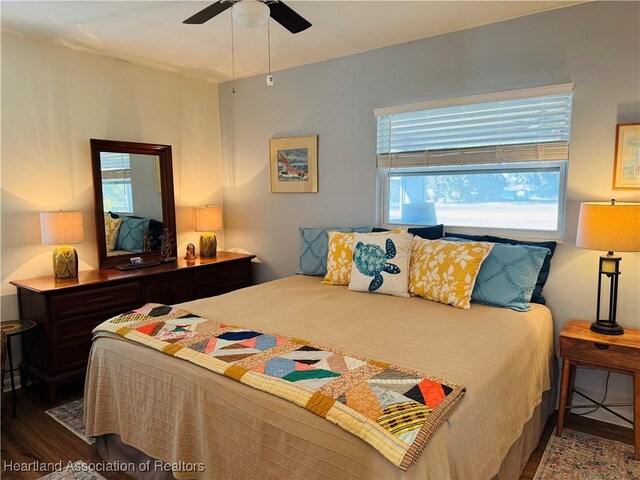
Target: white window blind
{"x":115,"y":165}
{"x":487,"y":129}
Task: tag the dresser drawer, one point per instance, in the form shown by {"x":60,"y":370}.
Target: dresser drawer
{"x":607,"y":356}
{"x":223,"y":279}
{"x":78,"y":329}
{"x":116,"y":298}
{"x":72,"y":358}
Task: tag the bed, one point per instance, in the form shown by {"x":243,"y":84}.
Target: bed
{"x":141,"y":403}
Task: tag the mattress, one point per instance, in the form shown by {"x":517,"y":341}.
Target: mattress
{"x":180,"y":413}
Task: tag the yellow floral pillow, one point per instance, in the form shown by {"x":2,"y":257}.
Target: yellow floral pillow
{"x":445,"y":271}
{"x":111,"y":229}
{"x":340,"y":256}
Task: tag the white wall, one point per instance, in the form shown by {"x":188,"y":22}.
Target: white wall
{"x":595,"y":45}
{"x":54,"y":100}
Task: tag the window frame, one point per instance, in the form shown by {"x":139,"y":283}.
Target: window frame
{"x":126,"y":181}
{"x":382,"y":210}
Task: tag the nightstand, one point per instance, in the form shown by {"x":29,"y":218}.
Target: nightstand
{"x":579,"y":346}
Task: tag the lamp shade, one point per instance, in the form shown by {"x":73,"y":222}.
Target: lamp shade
{"x":250,"y":13}
{"x":612,"y":227}
{"x":60,"y":228}
{"x":208,"y":219}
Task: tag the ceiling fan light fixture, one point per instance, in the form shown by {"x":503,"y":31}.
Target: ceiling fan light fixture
{"x":250,"y":13}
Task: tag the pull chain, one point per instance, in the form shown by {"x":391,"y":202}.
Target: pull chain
{"x":269,"y":76}
{"x":233,"y":62}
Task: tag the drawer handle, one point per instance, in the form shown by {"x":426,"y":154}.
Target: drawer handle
{"x":601,"y":346}
{"x":100,"y":299}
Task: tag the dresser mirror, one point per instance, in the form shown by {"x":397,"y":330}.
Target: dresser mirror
{"x":133,"y":189}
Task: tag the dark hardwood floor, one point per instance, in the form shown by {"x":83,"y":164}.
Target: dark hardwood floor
{"x":35,"y":436}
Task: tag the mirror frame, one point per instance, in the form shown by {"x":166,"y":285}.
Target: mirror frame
{"x":166,"y":182}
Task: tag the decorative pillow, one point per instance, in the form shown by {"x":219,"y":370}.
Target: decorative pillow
{"x":131,"y":234}
{"x":508,"y":276}
{"x":111,"y":229}
{"x":445,"y":271}
{"x":381,"y":264}
{"x":340,"y":256}
{"x":314,"y":246}
{"x":433,"y":232}
{"x":156,"y":228}
{"x":536,"y":297}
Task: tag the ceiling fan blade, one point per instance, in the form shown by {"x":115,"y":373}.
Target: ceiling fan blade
{"x":208,"y":13}
{"x":286,"y":17}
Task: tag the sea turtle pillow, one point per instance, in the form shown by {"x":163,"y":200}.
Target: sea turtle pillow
{"x":381,"y":264}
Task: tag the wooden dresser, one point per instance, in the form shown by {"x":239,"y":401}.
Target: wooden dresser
{"x":67,"y":310}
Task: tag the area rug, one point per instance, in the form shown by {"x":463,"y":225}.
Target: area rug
{"x":580,"y":456}
{"x":71,"y":415}
{"x":76,"y":471}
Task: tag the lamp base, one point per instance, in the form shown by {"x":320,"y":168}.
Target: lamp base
{"x":208,"y":245}
{"x":65,"y":262}
{"x":607,"y":328}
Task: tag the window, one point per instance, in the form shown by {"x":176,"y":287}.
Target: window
{"x":496,"y":161}
{"x":117,"y":195}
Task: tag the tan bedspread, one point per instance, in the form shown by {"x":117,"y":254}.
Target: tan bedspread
{"x":192,"y":415}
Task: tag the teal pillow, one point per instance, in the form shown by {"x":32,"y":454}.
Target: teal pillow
{"x":314,"y":246}
{"x":508,"y":275}
{"x":544,"y":271}
{"x":131,"y":233}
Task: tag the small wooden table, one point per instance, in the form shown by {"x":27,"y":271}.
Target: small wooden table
{"x":11,"y":329}
{"x":579,"y":346}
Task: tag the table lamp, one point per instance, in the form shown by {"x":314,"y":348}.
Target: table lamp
{"x":609,"y":226}
{"x":61,"y":228}
{"x":208,"y":219}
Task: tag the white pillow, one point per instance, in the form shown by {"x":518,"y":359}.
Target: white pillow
{"x":381,"y":264}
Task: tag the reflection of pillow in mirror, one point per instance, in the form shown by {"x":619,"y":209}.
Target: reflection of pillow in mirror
{"x":111,"y":229}
{"x":131,"y":233}
{"x":156,"y":228}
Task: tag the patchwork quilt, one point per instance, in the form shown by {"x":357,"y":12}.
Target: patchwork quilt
{"x":394,"y":409}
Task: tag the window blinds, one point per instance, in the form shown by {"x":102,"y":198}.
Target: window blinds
{"x":516,"y":129}
{"x":115,"y":166}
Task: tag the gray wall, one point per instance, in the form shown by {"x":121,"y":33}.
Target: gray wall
{"x":595,"y":45}
{"x":147,"y":200}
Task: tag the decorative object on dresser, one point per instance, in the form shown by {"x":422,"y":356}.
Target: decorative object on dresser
{"x":167,"y":247}
{"x":208,"y":219}
{"x":61,"y":228}
{"x":626,"y":171}
{"x":293,"y":163}
{"x":191,"y":252}
{"x":580,"y":346}
{"x":67,"y":310}
{"x":609,"y":226}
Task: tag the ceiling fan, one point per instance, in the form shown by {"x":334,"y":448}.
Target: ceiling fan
{"x":252,"y":12}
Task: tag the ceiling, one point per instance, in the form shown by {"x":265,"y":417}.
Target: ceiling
{"x":152,"y":33}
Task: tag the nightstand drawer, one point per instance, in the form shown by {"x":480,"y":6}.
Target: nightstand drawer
{"x":606,"y":356}
{"x":115,"y":298}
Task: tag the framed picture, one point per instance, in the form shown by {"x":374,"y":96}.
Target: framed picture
{"x":293,"y":164}
{"x":626,"y":172}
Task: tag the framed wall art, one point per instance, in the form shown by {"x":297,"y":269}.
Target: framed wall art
{"x":293,"y":164}
{"x":626,"y":171}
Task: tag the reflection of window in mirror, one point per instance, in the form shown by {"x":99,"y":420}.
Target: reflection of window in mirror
{"x":117,"y":195}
